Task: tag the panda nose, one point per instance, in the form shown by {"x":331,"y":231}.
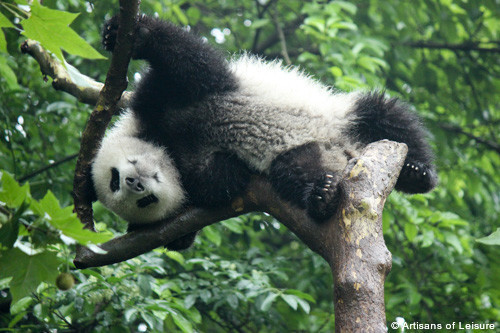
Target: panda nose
{"x":134,"y":184}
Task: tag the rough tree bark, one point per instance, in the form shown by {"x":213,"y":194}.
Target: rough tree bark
{"x":351,"y":242}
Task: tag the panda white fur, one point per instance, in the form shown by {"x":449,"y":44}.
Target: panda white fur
{"x":198,"y":127}
{"x":134,"y":178}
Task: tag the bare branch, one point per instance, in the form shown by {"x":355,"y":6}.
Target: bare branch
{"x":116,"y":82}
{"x":281,"y":35}
{"x":67,"y":79}
{"x":457,"y":129}
{"x":467,"y":46}
{"x":289,"y":28}
{"x":47,"y":167}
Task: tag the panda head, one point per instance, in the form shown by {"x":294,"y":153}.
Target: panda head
{"x":137,"y":180}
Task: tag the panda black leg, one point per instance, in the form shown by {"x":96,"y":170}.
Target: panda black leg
{"x":183,"y":68}
{"x":377,"y":118}
{"x":214,"y":180}
{"x":299,"y":177}
{"x":182,"y":243}
{"x":179,"y":244}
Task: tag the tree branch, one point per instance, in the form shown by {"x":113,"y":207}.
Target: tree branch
{"x":351,"y":242}
{"x":467,"y":46}
{"x":457,"y":129}
{"x":281,"y":35}
{"x":67,"y":79}
{"x":116,"y":82}
{"x":47,"y":167}
{"x":275,"y":38}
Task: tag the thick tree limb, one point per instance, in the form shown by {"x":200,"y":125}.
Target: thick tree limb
{"x":360,"y":260}
{"x":116,"y":83}
{"x":351,"y":242}
{"x":67,"y":79}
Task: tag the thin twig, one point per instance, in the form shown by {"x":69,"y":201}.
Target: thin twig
{"x":457,"y":129}
{"x":466,"y":46}
{"x":281,"y":35}
{"x":47,"y":167}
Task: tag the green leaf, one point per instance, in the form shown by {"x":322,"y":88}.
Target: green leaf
{"x":180,"y":15}
{"x":190,"y":300}
{"x":266,"y":305}
{"x":453,"y":240}
{"x":493,"y":239}
{"x":182,"y":322}
{"x":9,"y":232}
{"x":212,"y":235}
{"x":6,"y":72}
{"x":411,"y":231}
{"x":304,"y":305}
{"x":260,"y":23}
{"x":177,"y":256}
{"x":67,"y":222}
{"x":4,"y":23}
{"x":291,"y":300}
{"x":51,"y":28}
{"x":28,"y":271}
{"x":300,"y":294}
{"x":20,"y":306}
{"x":11,"y":193}
{"x":193,"y":14}
{"x":234,"y":224}
{"x":232,"y":300}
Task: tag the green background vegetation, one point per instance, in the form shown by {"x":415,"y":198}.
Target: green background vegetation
{"x":249,"y":274}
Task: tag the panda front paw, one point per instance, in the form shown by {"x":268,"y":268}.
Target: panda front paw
{"x":109,"y":33}
{"x":416,"y":177}
{"x":324,"y":198}
{"x":143,"y":32}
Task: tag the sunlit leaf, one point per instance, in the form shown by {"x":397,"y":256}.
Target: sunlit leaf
{"x":493,"y":239}
{"x":51,"y":28}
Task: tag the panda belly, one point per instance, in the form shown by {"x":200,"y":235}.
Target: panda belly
{"x":258,"y":132}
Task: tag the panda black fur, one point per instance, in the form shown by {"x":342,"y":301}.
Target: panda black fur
{"x":198,"y":127}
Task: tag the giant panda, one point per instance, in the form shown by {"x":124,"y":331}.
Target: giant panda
{"x":199,"y":126}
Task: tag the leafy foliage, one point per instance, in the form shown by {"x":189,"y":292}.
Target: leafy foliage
{"x":249,"y":274}
{"x":51,"y":28}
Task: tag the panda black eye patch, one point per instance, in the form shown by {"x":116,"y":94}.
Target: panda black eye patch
{"x":146,"y":201}
{"x":114,"y":185}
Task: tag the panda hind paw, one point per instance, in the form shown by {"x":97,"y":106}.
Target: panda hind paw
{"x":416,"y":177}
{"x":323,"y":200}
